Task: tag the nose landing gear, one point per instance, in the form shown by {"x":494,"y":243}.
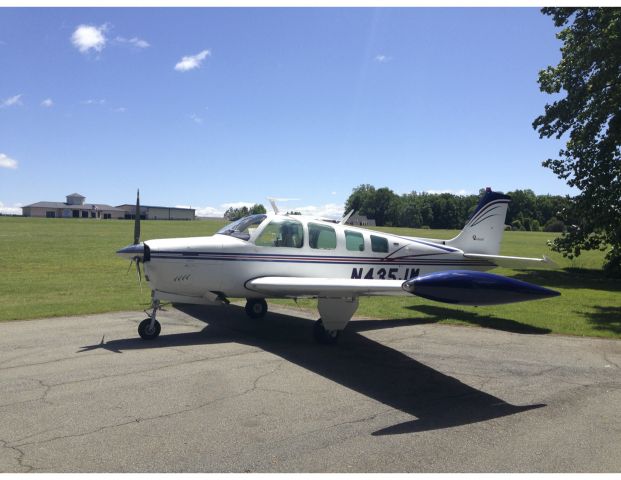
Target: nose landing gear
{"x":150,"y":328}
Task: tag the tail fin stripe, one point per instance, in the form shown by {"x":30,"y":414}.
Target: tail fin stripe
{"x":489,"y":207}
{"x":483,"y":219}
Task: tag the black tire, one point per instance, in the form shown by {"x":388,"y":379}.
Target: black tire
{"x":256,"y":307}
{"x":323,"y":336}
{"x":146,"y":332}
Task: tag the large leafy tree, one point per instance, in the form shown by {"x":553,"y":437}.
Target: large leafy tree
{"x":589,"y":116}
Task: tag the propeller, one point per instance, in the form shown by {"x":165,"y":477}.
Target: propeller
{"x":136,"y":250}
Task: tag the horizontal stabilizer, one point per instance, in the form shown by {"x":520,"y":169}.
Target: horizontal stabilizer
{"x":514,"y":262}
{"x":468,"y":287}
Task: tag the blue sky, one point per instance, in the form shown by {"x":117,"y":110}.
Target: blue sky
{"x":209,"y":106}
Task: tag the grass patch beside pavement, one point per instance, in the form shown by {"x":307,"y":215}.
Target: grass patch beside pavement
{"x":58,"y":267}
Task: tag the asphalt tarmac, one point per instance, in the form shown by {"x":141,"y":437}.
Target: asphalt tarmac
{"x":219,"y":392}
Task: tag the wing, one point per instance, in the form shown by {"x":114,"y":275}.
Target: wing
{"x":513,"y":262}
{"x":323,"y":287}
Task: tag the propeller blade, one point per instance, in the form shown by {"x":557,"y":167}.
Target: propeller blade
{"x":139,"y":273}
{"x":137,"y":220}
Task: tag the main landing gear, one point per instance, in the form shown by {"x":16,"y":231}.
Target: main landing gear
{"x":150,"y":328}
{"x":335,"y":314}
{"x":323,"y":335}
{"x":256,"y":307}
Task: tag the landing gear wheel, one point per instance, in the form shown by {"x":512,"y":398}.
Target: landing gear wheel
{"x":256,"y":307}
{"x":146,"y":331}
{"x":323,"y":336}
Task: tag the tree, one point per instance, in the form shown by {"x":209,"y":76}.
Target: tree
{"x":257,"y":208}
{"x":589,"y":114}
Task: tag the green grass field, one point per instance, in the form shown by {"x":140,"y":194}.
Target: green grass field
{"x":58,"y":267}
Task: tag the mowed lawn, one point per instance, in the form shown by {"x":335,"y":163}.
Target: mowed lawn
{"x":54,"y":267}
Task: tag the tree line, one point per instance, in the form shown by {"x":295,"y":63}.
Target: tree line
{"x":233,"y":214}
{"x":527,"y":211}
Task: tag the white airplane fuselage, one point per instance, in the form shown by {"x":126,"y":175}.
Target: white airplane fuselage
{"x":224,"y":264}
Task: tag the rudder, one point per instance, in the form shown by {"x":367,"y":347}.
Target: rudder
{"x":484,"y":229}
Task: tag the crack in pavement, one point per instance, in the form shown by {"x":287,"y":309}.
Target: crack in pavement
{"x":124,"y":374}
{"x":610,"y":361}
{"x":37,"y":364}
{"x":20,"y":456}
{"x":253,"y":388}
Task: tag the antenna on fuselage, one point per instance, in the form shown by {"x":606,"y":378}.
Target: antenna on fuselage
{"x":346,"y":217}
{"x":273,"y":202}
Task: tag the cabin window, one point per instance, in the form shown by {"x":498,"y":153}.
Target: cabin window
{"x":282,"y":233}
{"x":321,"y":236}
{"x":379,"y":244}
{"x":354,"y":241}
{"x":244,"y":227}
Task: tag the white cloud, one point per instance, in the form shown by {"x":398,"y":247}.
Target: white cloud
{"x":119,"y":110}
{"x":134,"y":42}
{"x":454,"y":192}
{"x":226,"y":206}
{"x":191,"y":62}
{"x":196,"y":119}
{"x":208,"y":211}
{"x":328,"y":210}
{"x":281,"y":199}
{"x":11,"y":101}
{"x":89,"y":37}
{"x":94,"y":101}
{"x":7,"y":162}
{"x":381,"y":58}
{"x":14,"y":210}
{"x":48,"y":102}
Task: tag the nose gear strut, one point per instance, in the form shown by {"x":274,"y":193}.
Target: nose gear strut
{"x":150,"y":328}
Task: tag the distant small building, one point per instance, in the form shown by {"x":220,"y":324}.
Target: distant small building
{"x":150,"y":212}
{"x":360,"y":221}
{"x":74,"y":207}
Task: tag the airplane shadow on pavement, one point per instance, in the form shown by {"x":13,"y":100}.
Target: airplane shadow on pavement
{"x":357,"y":362}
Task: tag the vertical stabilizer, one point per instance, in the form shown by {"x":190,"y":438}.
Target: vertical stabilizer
{"x":484,"y":229}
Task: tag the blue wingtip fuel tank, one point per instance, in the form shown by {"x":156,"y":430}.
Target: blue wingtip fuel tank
{"x":467,"y":287}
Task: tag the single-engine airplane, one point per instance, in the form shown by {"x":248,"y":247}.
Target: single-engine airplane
{"x":294,"y":256}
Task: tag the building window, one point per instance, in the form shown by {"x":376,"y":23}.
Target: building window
{"x":107,"y":216}
{"x":282,"y":233}
{"x":84,"y":214}
{"x":76,"y":214}
{"x":354,"y":241}
{"x":379,"y":244}
{"x":50,"y":214}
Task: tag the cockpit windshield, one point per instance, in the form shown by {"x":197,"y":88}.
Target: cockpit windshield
{"x":243,"y":227}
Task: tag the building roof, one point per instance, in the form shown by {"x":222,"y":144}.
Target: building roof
{"x":86,"y":206}
{"x":153,"y":206}
{"x":76,"y":195}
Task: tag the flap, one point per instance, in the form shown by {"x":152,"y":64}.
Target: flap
{"x":323,"y":287}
